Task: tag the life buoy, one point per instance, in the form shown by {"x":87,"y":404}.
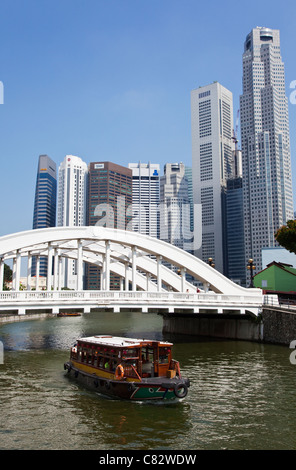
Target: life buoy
{"x":180,"y":390}
{"x":119,"y":372}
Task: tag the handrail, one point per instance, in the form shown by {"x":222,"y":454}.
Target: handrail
{"x":7,"y":296}
{"x":127,"y":367}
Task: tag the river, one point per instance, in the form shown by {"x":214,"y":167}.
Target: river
{"x":242,"y":394}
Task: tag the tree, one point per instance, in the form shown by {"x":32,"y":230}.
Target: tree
{"x":7,"y":275}
{"x":286,"y":236}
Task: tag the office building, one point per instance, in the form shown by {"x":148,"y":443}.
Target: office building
{"x":71,"y":205}
{"x":146,"y":188}
{"x":188,"y":176}
{"x":212,"y":164}
{"x":235,"y":267}
{"x":45,"y":203}
{"x":267,"y":183}
{"x":175,"y":207}
{"x":109,"y":205}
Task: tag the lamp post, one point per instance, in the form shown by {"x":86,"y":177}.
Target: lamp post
{"x":251,"y":267}
{"x":210,"y":262}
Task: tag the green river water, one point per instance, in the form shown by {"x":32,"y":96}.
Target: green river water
{"x":242,"y":394}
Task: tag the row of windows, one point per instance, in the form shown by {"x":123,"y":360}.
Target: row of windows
{"x":205,"y":123}
{"x":205,"y":93}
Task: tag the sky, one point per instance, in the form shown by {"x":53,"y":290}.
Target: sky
{"x":110,"y":80}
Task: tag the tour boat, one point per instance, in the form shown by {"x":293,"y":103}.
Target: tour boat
{"x":128,"y":368}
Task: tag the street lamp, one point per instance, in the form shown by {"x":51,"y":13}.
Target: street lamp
{"x":251,"y":267}
{"x":211,"y":263}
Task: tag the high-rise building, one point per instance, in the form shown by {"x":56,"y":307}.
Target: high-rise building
{"x":212,"y":158}
{"x":235,"y":267}
{"x":45,"y":203}
{"x":72,"y":205}
{"x":175,"y":207}
{"x":188,"y":176}
{"x":267,"y":182}
{"x":109,"y":205}
{"x":146,"y":187}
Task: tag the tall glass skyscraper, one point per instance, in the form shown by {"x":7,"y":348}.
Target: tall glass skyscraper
{"x":267,"y":181}
{"x":45,"y":202}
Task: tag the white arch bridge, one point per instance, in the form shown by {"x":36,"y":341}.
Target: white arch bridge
{"x":152,"y":274}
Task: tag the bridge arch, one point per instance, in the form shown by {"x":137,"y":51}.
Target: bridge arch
{"x":140,"y":260}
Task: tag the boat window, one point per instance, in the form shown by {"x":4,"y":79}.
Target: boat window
{"x":107,"y":364}
{"x":164,"y":355}
{"x":147,"y":354}
{"x":131,"y":352}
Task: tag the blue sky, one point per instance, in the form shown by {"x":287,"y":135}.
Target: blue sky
{"x":111,"y":80}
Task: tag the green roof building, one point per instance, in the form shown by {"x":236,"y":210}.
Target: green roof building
{"x":278,"y":277}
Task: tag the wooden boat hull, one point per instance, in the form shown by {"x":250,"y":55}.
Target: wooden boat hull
{"x":151,"y":389}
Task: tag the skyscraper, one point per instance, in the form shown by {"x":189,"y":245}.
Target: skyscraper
{"x":175,"y":206}
{"x":267,"y":182}
{"x":45,"y":202}
{"x":72,"y":192}
{"x":146,"y":186}
{"x":71,"y":204}
{"x":109,"y":205}
{"x":234,"y":258}
{"x":212,"y":157}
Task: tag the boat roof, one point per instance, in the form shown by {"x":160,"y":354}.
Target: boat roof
{"x":117,"y":341}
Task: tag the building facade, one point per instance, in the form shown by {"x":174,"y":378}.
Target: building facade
{"x":44,"y":204}
{"x":235,"y":267}
{"x":109,"y":205}
{"x":71,"y":205}
{"x":267,"y":182}
{"x":146,"y":191}
{"x":175,"y":207}
{"x":212,"y":164}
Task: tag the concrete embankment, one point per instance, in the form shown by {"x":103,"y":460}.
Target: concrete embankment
{"x":275,"y":325}
{"x":11,"y":318}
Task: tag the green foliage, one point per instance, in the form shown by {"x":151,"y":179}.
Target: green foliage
{"x":7,"y":275}
{"x":286,"y":236}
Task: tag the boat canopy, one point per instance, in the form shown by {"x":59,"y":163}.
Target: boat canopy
{"x":119,"y":342}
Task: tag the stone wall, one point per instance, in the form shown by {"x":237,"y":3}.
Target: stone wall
{"x":279,"y":325}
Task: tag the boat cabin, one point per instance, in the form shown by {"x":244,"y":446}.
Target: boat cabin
{"x":137,"y":358}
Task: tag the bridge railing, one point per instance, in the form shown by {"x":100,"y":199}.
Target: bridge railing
{"x":132,"y":296}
